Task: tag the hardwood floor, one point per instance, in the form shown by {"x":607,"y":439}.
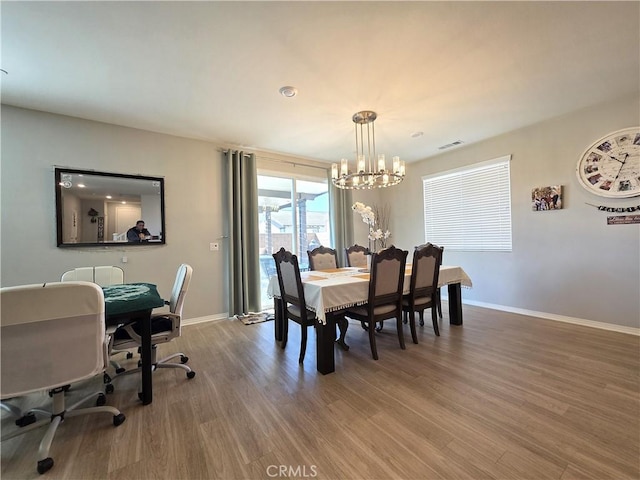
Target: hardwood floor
{"x":503,"y":397}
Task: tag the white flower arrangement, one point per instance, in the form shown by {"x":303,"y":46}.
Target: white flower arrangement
{"x":377,"y":220}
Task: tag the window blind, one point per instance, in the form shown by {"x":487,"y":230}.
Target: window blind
{"x":470,"y":208}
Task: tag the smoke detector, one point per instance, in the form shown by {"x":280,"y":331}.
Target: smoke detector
{"x":288,"y":91}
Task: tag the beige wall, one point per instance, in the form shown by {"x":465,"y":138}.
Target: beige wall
{"x":33,"y":142}
{"x":567,"y":262}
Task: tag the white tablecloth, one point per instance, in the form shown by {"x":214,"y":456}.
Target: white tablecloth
{"x":329,"y":291}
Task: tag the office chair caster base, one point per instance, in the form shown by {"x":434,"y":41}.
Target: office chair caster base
{"x":120,"y":370}
{"x":129,"y":355}
{"x":26,"y":419}
{"x":45,"y":465}
{"x":101,"y":400}
{"x":106,"y":378}
{"x":191,"y":374}
{"x":118,"y":419}
{"x":184,"y":359}
{"x":109,"y":388}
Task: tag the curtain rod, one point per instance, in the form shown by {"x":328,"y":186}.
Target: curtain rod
{"x":295,"y":163}
{"x":228,"y":150}
{"x":289,"y":162}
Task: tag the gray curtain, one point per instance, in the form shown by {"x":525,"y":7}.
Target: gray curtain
{"x":244,"y":258}
{"x":341,"y":217}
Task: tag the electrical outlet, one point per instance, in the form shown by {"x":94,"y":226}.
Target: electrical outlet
{"x":125,"y":259}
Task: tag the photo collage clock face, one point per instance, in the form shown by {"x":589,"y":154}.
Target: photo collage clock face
{"x":611,"y":166}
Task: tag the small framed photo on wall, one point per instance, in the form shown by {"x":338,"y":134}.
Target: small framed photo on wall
{"x":546,"y":198}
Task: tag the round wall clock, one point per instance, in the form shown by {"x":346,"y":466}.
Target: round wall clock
{"x":611,"y":166}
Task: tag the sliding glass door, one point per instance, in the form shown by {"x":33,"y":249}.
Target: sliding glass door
{"x":294,"y":214}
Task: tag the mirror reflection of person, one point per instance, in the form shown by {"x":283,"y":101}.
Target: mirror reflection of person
{"x":138,"y":234}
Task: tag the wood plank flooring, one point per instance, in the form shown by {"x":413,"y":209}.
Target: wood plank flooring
{"x":504,"y":396}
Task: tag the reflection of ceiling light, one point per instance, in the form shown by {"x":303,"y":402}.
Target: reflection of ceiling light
{"x":124,"y":203}
{"x":81,"y":185}
{"x":371,"y":172}
{"x":288,"y":91}
{"x":109,"y":196}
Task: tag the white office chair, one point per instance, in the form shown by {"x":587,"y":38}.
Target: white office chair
{"x":102,"y":275}
{"x":164,"y":327}
{"x":53,"y":335}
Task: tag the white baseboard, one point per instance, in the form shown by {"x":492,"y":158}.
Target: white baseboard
{"x":558,"y":318}
{"x":522,"y":311}
{"x":209,"y":318}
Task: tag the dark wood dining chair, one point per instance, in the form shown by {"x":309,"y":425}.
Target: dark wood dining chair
{"x":356,"y":256}
{"x":385,"y":294}
{"x":423,"y":291}
{"x":322,"y":258}
{"x":438,"y":293}
{"x":292,"y":295}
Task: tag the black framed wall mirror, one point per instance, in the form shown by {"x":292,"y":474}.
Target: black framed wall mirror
{"x":98,"y":208}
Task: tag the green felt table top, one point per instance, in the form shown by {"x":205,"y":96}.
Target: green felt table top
{"x":131,"y":297}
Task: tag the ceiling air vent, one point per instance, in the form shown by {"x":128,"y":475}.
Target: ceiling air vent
{"x":452,"y":144}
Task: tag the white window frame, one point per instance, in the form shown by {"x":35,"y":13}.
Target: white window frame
{"x":469,"y":208}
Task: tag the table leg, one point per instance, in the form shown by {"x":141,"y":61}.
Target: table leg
{"x":145,"y":351}
{"x":325,"y":337}
{"x":455,"y":304}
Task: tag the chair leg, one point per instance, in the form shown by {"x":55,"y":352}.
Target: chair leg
{"x":400,"y":330}
{"x":343,"y":325}
{"x":303,"y":344}
{"x":372,"y":342}
{"x":439,"y":302}
{"x":412,"y":325}
{"x":58,"y":413}
{"x":434,"y":319}
{"x":421,"y":313}
{"x":285,"y":332}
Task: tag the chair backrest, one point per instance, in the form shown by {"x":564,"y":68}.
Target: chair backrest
{"x":288,"y":270}
{"x":387,"y":276}
{"x":108,"y":275}
{"x":102,"y":275}
{"x":425,"y":270}
{"x":81,"y":274}
{"x":322,"y":258}
{"x":53,"y":334}
{"x":180,"y":287}
{"x":356,"y":256}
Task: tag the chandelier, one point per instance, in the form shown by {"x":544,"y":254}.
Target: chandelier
{"x":370,"y":172}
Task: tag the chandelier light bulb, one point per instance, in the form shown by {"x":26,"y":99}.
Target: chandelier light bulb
{"x":381,"y":163}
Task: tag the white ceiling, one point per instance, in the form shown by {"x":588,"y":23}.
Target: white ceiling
{"x":211,"y":70}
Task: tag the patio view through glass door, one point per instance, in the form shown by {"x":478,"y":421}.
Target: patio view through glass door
{"x":294,"y":214}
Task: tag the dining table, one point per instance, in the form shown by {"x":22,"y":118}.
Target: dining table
{"x":330,"y":292}
{"x":133,"y":302}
